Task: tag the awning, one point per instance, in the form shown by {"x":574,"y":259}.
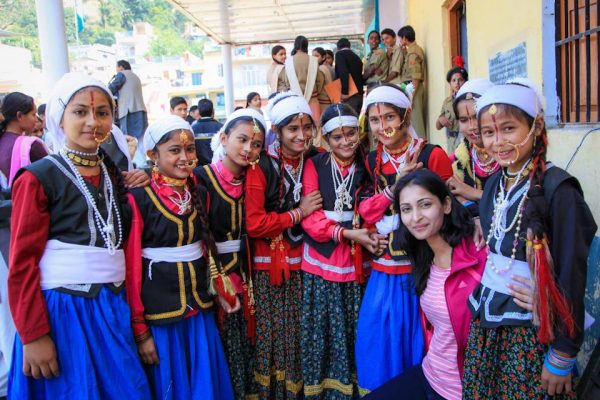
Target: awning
{"x":271,"y":21}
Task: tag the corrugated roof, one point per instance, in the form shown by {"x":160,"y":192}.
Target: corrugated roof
{"x":269,"y":21}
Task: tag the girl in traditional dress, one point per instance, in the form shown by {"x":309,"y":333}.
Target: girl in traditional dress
{"x":67,"y":265}
{"x":241,"y":142}
{"x":274,"y":210}
{"x":536,"y":224}
{"x":167,"y":274}
{"x":332,"y":261}
{"x":472,"y":165}
{"x":389,"y":332}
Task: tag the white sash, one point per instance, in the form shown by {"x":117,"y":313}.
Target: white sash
{"x":230,"y":246}
{"x":334,"y":215}
{"x":388,"y":224}
{"x":65,"y":264}
{"x":290,"y":70}
{"x":187,"y":253}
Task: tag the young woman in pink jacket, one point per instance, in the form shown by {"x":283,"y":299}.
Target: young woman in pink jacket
{"x":437,"y":233}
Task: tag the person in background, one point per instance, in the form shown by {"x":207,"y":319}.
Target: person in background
{"x":376,"y":67}
{"x":347,"y":64}
{"x":41,"y":113}
{"x":329,"y":57}
{"x":278,"y":54}
{"x":131,"y":116}
{"x":38,"y":128}
{"x":321,"y":56}
{"x":395,"y":56}
{"x":193,"y":115}
{"x":179,"y":107}
{"x":456,"y":77}
{"x":204,"y":129}
{"x":414,"y":71}
{"x":254,"y":101}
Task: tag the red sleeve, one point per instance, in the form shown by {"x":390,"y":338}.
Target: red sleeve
{"x":373,"y":208}
{"x":440,"y":163}
{"x":317,"y":225}
{"x":30,"y":225}
{"x":133,"y":278}
{"x":259,"y":222}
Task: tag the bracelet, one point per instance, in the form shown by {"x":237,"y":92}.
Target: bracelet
{"x":557,"y":364}
{"x":296,"y":215}
{"x":388,"y":193}
{"x":555,"y":370}
{"x":468,"y":203}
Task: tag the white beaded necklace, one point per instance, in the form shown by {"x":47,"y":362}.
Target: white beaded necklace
{"x":106,"y":227}
{"x":297,"y":181}
{"x":341,"y":186}
{"x":182,"y":202}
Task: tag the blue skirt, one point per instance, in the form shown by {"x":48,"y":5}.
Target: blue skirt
{"x":389,"y":337}
{"x":97,"y":355}
{"x":192,"y":363}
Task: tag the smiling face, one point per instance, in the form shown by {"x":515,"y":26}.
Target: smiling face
{"x":329,"y":59}
{"x":87,"y":118}
{"x":383,"y":118}
{"x":295,"y":135}
{"x":343,"y":143}
{"x":508,"y":138}
{"x":280,"y":56}
{"x":456,"y":81}
{"x":467,"y":122}
{"x":374,"y":40}
{"x":243,"y":143}
{"x":388,"y":40}
{"x":174,"y":157}
{"x":422,"y":212}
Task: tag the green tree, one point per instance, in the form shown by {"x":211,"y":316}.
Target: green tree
{"x":167,"y":43}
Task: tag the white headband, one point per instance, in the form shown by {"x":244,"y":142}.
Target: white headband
{"x":158,"y":129}
{"x":388,"y":94}
{"x":63,"y":91}
{"x":338,"y":122}
{"x":246,"y":112}
{"x":522,"y":97}
{"x":474,"y":86}
{"x":285,"y":104}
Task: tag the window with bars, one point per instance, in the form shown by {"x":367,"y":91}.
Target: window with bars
{"x":577,"y":50}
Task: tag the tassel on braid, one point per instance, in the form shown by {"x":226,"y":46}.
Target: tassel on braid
{"x":378,"y":165}
{"x":551,"y":308}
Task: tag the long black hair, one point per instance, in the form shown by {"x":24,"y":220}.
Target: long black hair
{"x":300,"y":44}
{"x":456,"y":226}
{"x":14,"y":103}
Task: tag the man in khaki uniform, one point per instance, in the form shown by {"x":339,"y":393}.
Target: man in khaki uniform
{"x":395,"y":56}
{"x":376,"y":66}
{"x":414,"y":71}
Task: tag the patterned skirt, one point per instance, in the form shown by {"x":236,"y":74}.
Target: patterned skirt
{"x":503,"y":363}
{"x":329,"y":315}
{"x":277,"y":371}
{"x":239,"y":353}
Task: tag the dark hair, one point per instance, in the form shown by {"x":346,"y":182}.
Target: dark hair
{"x":343,"y":43}
{"x":388,"y":31}
{"x":14,"y":103}
{"x":460,"y":98}
{"x":300,"y":44}
{"x":407,"y":32}
{"x":205,"y":107}
{"x":321,"y":51}
{"x":457,"y":225}
{"x":275,"y":50}
{"x":378,"y":35}
{"x":177,"y":100}
{"x":41,"y":109}
{"x":251,"y":96}
{"x":329,"y":53}
{"x":238,"y":108}
{"x":124,"y":64}
{"x":457,"y":70}
{"x":192,"y":109}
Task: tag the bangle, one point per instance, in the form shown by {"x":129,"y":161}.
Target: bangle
{"x":341,"y":234}
{"x":388,"y":193}
{"x":557,"y":364}
{"x":555,"y":370}
{"x":468,"y":203}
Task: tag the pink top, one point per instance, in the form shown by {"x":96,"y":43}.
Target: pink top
{"x":224,"y":176}
{"x":440,"y":365}
{"x":340,"y":266}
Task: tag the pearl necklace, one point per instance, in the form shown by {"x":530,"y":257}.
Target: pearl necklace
{"x":488,"y":167}
{"x":498,"y":227}
{"x":401,"y":161}
{"x":82,"y":153}
{"x":341,"y":186}
{"x":297,"y":181}
{"x":183,"y":202}
{"x":106,"y":227}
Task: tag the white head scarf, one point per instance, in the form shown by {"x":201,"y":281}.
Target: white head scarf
{"x":215,"y":143}
{"x":285,"y":104}
{"x":60,"y":96}
{"x":338,"y":121}
{"x":520,"y":93}
{"x":390,"y":95}
{"x":119,"y":137}
{"x":158,"y":129}
{"x":474,"y":86}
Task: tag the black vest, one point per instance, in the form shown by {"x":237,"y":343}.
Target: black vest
{"x":226,"y":218}
{"x":170,"y":289}
{"x":322,"y":164}
{"x":271,"y":168}
{"x":70,"y":216}
{"x":383,"y":180}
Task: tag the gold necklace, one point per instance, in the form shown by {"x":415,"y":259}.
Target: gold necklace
{"x":400,"y":150}
{"x":82,"y":162}
{"x":343,"y":164}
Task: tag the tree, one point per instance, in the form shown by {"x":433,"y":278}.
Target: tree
{"x":167,"y":43}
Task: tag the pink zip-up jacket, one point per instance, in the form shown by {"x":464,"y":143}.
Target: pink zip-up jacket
{"x":465,"y":274}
